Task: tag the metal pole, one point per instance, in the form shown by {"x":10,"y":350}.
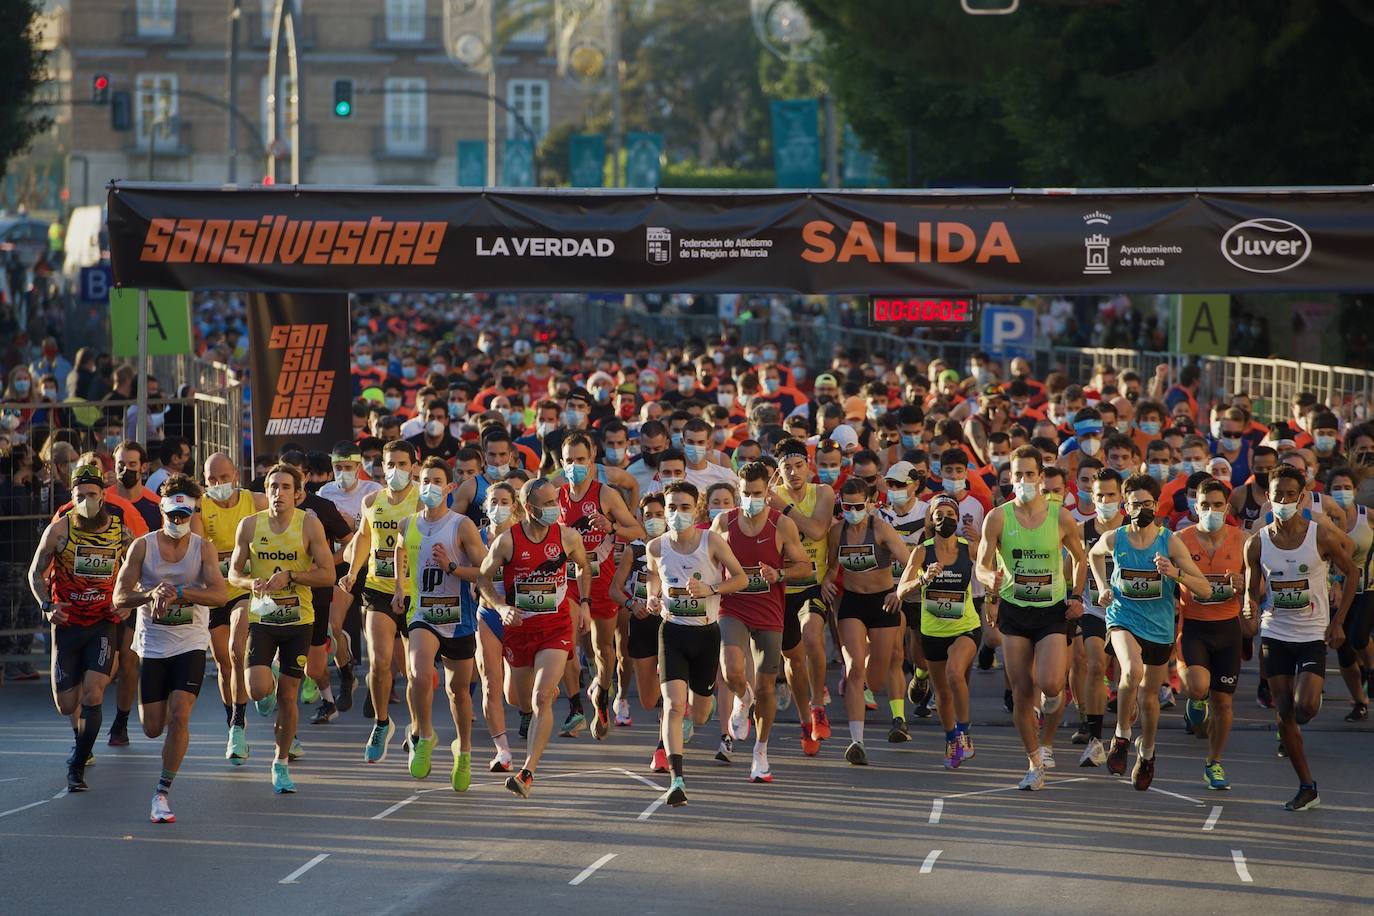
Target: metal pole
{"x":491,"y":124}
{"x":152,"y":146}
{"x":832,"y":144}
{"x":141,"y":434}
{"x":235,"y":13}
{"x":614,"y":70}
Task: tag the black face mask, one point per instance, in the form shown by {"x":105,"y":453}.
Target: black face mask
{"x":650,"y":458}
{"x":1006,"y":491}
{"x":1143,"y":518}
{"x":313,"y":487}
{"x":1262,"y":478}
{"x":128,"y":479}
{"x":946,"y":527}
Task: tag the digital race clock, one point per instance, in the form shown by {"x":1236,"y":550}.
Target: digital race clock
{"x":924,"y":310}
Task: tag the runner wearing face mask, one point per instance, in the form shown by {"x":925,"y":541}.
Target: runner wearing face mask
{"x":374,"y":550}
{"x":1092,"y":691}
{"x":1354,"y":653}
{"x":1247,"y":501}
{"x":906,"y":513}
{"x":629,"y":588}
{"x":1086,"y":441}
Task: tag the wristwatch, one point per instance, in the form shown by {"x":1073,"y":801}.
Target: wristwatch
{"x":46,"y":609}
{"x":1078,"y":598}
{"x":452,"y":567}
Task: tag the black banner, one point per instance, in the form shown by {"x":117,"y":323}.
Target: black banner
{"x":298,"y":354}
{"x":948,"y":243}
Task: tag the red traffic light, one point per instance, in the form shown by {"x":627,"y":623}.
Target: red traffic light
{"x":102,"y":81}
{"x":268,"y":180}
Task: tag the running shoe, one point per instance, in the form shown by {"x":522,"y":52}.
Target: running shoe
{"x":898,"y":733}
{"x":267,"y":705}
{"x":689,"y":728}
{"x":659,"y":762}
{"x":521,"y":783}
{"x":1215,"y":776}
{"x":461,"y":775}
{"x":297,"y":750}
{"x":236,"y":750}
{"x":723,"y":752}
{"x":119,"y":735}
{"x":500,"y":763}
{"x":622,"y":713}
{"x":347,"y":680}
{"x":918,"y":688}
{"x":1116,"y":759}
{"x":525,"y":718}
{"x":310,"y":691}
{"x":1083,"y":735}
{"x":811,"y":746}
{"x":573,"y":724}
{"x":825,"y":696}
{"x":870,"y":701}
{"x":420,"y":756}
{"x":1094,"y":755}
{"x":327,"y":713}
{"x":967,"y":743}
{"x":677,"y":793}
{"x":1306,"y":798}
{"x":1196,"y":714}
{"x":759,"y":773}
{"x":281,"y":779}
{"x":601,"y":715}
{"x":739,"y":716}
{"x":926,"y":708}
{"x":954,"y":754}
{"x":1047,"y":757}
{"x":161,"y":812}
{"x":1033,"y":781}
{"x":375,"y":751}
{"x":76,"y":778}
{"x":820,"y":723}
{"x":1358,"y":713}
{"x":784,"y":698}
{"x":987,"y":656}
{"x":71,"y":757}
{"x":856,"y":754}
{"x":1144,"y":771}
{"x":1263,"y":698}
{"x":1166,"y":696}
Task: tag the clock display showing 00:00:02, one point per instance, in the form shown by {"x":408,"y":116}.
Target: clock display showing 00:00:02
{"x":949,"y":311}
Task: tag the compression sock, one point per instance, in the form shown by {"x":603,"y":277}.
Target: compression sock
{"x":502,"y":745}
{"x":240,"y":714}
{"x":1095,"y":725}
{"x":1147,"y":752}
{"x":121,"y":720}
{"x":85,"y":738}
{"x":761,"y":753}
{"x":675,"y":761}
{"x":164,"y":783}
{"x":952,"y":734}
{"x":898,"y":708}
{"x":228,"y":714}
{"x":962,"y":727}
{"x":575,"y":703}
{"x":856,"y":731}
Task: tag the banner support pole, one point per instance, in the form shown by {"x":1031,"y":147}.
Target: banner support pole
{"x":141,"y":433}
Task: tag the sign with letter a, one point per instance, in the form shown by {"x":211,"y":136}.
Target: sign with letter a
{"x":1203,"y":327}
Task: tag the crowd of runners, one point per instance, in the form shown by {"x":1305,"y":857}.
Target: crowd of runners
{"x":684,"y":531}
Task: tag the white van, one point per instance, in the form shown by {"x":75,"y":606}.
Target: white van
{"x":87,"y":242}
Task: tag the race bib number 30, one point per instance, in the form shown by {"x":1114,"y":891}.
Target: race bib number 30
{"x":536,"y":597}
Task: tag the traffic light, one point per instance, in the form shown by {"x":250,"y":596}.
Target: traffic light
{"x":122,"y":110}
{"x":343,"y":98}
{"x":100,"y":88}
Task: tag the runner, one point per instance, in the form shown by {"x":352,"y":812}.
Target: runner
{"x":951,"y":626}
{"x":768,"y":548}
{"x":1149,"y":563}
{"x":1210,"y":644}
{"x":1353,"y":654}
{"x":538,"y":617}
{"x":811,"y":506}
{"x":630,"y":587}
{"x":906,"y":513}
{"x":72,"y":577}
{"x":291,"y":544}
{"x":217,"y":519}
{"x":865,"y":547}
{"x":439,"y":563}
{"x":1286,"y":574}
{"x":501,"y":511}
{"x":1021,"y":561}
{"x":375,"y":546}
{"x":172,"y":579}
{"x":1106,"y":498}
{"x":685,"y":583}
{"x":598,"y":513}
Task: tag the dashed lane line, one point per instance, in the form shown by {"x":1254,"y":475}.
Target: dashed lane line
{"x":590,"y":869}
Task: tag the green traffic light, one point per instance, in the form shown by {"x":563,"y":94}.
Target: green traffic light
{"x":343,"y":109}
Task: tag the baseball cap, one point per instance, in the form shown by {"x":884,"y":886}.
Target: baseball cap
{"x":825,"y":378}
{"x":844,"y":436}
{"x":949,"y":375}
{"x":854,"y":408}
{"x":901,"y":471}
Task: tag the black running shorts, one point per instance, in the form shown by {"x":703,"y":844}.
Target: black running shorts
{"x":158,"y":677}
{"x":1214,"y":645}
{"x":691,"y":654}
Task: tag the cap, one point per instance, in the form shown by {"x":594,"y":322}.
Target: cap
{"x":854,"y":407}
{"x":844,"y":436}
{"x":900,"y":471}
{"x":88,"y":473}
{"x":600,"y":377}
{"x":949,"y":375}
{"x":825,"y":378}
{"x":375,"y":395}
{"x":178,"y":504}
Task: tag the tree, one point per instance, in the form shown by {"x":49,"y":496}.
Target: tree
{"x":22,"y":70}
{"x":1107,"y":92}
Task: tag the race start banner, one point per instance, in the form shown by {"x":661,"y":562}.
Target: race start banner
{"x":298,"y":358}
{"x":309,"y":239}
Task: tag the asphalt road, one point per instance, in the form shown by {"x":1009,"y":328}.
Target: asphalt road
{"x":898,"y":835}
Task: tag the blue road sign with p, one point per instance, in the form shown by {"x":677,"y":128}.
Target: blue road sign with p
{"x":95,"y":284}
{"x":1008,"y":331}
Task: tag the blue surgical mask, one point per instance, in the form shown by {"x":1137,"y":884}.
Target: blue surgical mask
{"x":572,"y":418}
{"x":1344,"y":498}
{"x":392,"y":404}
{"x":408,"y":372}
{"x":1325,"y":443}
{"x":548,"y":516}
{"x":686,"y":382}
{"x":498,"y":514}
{"x":677,"y":440}
{"x":1188,"y":467}
{"x":457,"y":409}
{"x":828,"y":475}
{"x":1211,"y":520}
{"x":653,"y":527}
{"x":855,"y":516}
{"x":753,"y":505}
{"x":1192,"y":504}
{"x":790,"y":356}
{"x":955,"y":486}
{"x":516,"y":417}
{"x":1025,"y":492}
{"x":615,"y":455}
{"x":695,"y":453}
{"x":935,"y":467}
{"x":1107,"y":511}
{"x":541,"y":359}
{"x":1159,"y":471}
{"x":1284,"y":511}
{"x":1230,"y":443}
{"x":576,"y":473}
{"x":771,"y":385}
{"x":397,"y":479}
{"x":1149,"y":427}
{"x":910,"y":440}
{"x":497,"y":471}
{"x":602,"y":395}
{"x":364,"y":361}
{"x":431,"y":494}
{"x":21,"y":386}
{"x":713,"y":511}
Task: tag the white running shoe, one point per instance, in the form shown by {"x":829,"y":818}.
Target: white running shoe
{"x":1094,"y":755}
{"x":1050,"y":705}
{"x":760,"y":771}
{"x":162,"y":812}
{"x":739,"y":716}
{"x":1033,"y":781}
{"x":1047,"y":757}
{"x":622,"y":712}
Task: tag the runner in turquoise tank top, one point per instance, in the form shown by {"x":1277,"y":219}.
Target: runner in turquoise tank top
{"x":1020,"y":561}
{"x":1139,"y":597}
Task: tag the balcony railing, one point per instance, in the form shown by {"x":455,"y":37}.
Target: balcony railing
{"x":386,"y":39}
{"x":142,"y":29}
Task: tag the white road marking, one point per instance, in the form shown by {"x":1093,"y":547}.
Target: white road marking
{"x":23,"y":808}
{"x":587,"y":872}
{"x":1212,"y":818}
{"x":291,"y":878}
{"x":656,"y":803}
{"x":1057,"y":782}
{"x":648,"y":782}
{"x":1238,"y":857}
{"x":396,"y":807}
{"x":936,"y":807}
{"x":12,"y":779}
{"x":1192,"y":801}
{"x":654,"y":806}
{"x":64,"y":793}
{"x":929,"y":864}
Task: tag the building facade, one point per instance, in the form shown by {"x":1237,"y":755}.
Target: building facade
{"x":407,"y":116}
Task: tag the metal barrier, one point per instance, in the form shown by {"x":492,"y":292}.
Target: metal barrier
{"x":20,"y":620}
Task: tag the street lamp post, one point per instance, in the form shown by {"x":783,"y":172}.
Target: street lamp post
{"x":235,"y":14}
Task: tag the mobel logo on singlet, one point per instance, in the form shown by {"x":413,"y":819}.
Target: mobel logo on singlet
{"x":283,"y":555}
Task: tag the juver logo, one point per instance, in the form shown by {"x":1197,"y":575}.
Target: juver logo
{"x":1266,"y":246}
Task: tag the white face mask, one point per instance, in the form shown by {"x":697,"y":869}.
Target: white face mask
{"x":175,"y":531}
{"x":1210,"y":520}
{"x":435,"y":428}
{"x":220,"y":492}
{"x":346,"y":479}
{"x":88,"y":507}
{"x":1107,"y":511}
{"x":397,"y":479}
{"x":1025,"y":492}
{"x":498,"y":514}
{"x":1090,"y":447}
